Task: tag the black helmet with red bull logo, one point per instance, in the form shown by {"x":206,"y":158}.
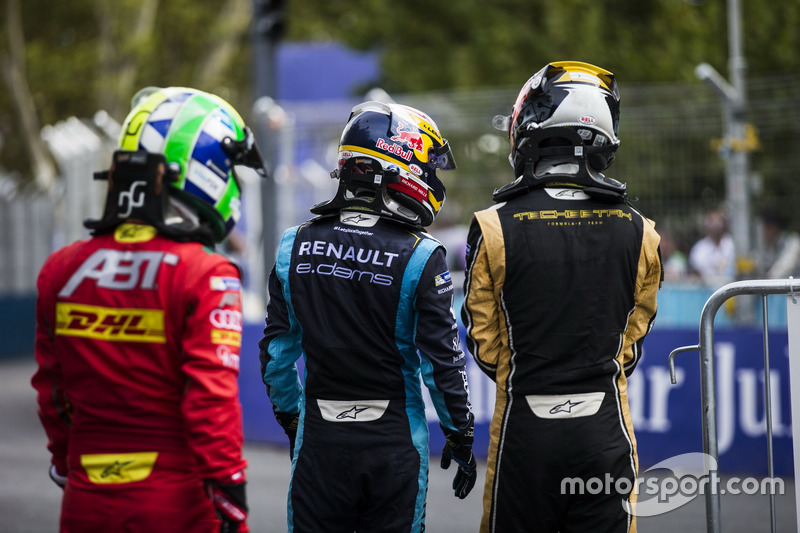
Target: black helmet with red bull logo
{"x":388,"y":158}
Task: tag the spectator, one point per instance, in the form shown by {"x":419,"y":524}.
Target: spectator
{"x":713,"y":257}
{"x":675,"y":263}
{"x":780,"y":253}
{"x":138,"y":331}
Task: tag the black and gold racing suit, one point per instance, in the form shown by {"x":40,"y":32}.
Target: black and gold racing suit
{"x":560,"y":292}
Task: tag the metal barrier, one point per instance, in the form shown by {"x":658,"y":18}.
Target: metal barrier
{"x":708,"y":385}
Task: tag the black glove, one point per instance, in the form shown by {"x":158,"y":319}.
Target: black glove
{"x":459,"y":449}
{"x":289,"y":424}
{"x":231,"y":505}
{"x":57,"y":478}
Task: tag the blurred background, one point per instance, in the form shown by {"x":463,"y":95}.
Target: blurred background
{"x":294,"y":68}
{"x":710,"y":122}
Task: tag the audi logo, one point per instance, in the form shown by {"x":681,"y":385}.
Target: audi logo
{"x":226,"y":319}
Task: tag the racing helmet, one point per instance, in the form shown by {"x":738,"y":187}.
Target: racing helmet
{"x":387,"y":161}
{"x":567,"y":94}
{"x":203,"y":139}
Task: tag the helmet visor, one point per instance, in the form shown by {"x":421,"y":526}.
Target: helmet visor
{"x":441,"y":157}
{"x":245,"y":152}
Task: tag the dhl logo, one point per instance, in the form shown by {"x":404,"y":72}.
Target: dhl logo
{"x":111,"y":324}
{"x":231,"y":338}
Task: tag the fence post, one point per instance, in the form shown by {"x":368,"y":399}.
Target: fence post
{"x":793,"y":324}
{"x":708,"y":384}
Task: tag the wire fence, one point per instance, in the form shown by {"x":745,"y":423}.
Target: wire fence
{"x":670,"y":158}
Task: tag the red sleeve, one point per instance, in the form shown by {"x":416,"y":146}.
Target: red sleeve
{"x":210,"y":360}
{"x":54,"y":408}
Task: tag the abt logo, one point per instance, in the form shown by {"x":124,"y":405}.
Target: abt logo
{"x":113,"y":269}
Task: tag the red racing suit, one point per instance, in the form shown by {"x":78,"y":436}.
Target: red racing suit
{"x":137,"y":345}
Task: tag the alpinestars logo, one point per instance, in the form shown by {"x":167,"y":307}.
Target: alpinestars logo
{"x":570,"y":193}
{"x":355,"y":219}
{"x":565,"y":407}
{"x":351,"y":413}
{"x":115,"y":469}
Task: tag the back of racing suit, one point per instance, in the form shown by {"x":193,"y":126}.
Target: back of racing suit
{"x":560,"y":291}
{"x":137,"y":344}
{"x":357,"y":295}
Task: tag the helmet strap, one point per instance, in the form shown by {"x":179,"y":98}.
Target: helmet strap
{"x":138,"y":190}
{"x":363,"y":191}
{"x":533,"y":145}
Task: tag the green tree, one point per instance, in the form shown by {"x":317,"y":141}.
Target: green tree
{"x":473,"y":43}
{"x":59,"y":59}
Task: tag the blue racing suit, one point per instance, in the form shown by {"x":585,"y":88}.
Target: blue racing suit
{"x":367,"y":302}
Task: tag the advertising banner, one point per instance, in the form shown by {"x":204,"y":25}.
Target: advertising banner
{"x":666,"y":417}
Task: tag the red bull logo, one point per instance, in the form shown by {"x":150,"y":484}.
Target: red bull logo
{"x":412,"y":139}
{"x":394,"y":149}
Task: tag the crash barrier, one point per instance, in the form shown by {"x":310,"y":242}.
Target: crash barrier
{"x":712,"y":402}
{"x":665,"y":417}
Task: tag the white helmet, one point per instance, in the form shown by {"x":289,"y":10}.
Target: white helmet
{"x":568,"y":94}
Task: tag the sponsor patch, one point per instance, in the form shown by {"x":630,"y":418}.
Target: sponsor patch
{"x":231,"y":338}
{"x":410,"y":187}
{"x":229,"y":299}
{"x":565,"y":406}
{"x":229,"y":319}
{"x":104,"y":469}
{"x":443,"y":278}
{"x":228,"y":358}
{"x":406,"y":135}
{"x":352,"y":410}
{"x":210,"y":182}
{"x":396,"y":149}
{"x":221,"y":283}
{"x":134,"y":233}
{"x":109,"y":323}
{"x":119,"y":270}
{"x":353,"y":218}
